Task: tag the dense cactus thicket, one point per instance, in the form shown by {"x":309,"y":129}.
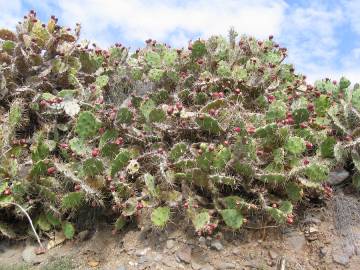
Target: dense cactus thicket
{"x":218,"y":133}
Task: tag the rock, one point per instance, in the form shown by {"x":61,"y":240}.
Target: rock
{"x":296,"y":241}
{"x":195,"y":265}
{"x":121,"y":267}
{"x":216,"y":244}
{"x":341,"y":258}
{"x":184,"y":254}
{"x":273,"y":254}
{"x":142,"y":252}
{"x":236,"y":251}
{"x":171,"y":263}
{"x":84,"y":235}
{"x":170,"y":244}
{"x":207,"y":267}
{"x":322,"y":252}
{"x":337,"y":177}
{"x":158,"y":258}
{"x":143,"y":259}
{"x":225,"y":265}
{"x":202,"y":240}
{"x":58,"y":239}
{"x":312,"y":220}
{"x":29,"y":256}
{"x":311,"y":233}
{"x":93,"y":263}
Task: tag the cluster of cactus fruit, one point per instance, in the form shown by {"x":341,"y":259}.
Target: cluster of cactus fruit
{"x":225,"y":131}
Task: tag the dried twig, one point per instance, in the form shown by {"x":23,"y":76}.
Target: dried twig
{"x":28,"y":217}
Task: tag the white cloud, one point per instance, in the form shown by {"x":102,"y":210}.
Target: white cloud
{"x":308,"y":31}
{"x":310,"y":34}
{"x":140,"y":19}
{"x":352,"y":8}
{"x":10,"y":13}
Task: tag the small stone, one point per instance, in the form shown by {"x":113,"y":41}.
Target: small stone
{"x":195,"y":265}
{"x":337,"y":177}
{"x":171,"y":263}
{"x":122,"y":267}
{"x":93,"y":263}
{"x":236,"y":251}
{"x":341,"y":259}
{"x":170,"y":244}
{"x":296,"y":241}
{"x":273,"y":255}
{"x":158,"y":258}
{"x":184,"y":254}
{"x":83,"y":235}
{"x":142,"y":252}
{"x":322,"y":252}
{"x":143,"y":259}
{"x":207,"y":267}
{"x":312,"y":220}
{"x":225,"y":265}
{"x":202,"y":240}
{"x":216,"y":244}
{"x":313,"y":229}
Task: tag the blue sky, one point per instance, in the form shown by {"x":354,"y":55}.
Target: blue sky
{"x":322,"y":36}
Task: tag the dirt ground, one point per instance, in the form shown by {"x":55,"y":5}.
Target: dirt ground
{"x":326,"y":237}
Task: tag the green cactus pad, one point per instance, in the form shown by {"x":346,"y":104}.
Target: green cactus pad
{"x":295,"y":145}
{"x":232,"y":218}
{"x":93,"y":166}
{"x":209,"y":124}
{"x":68,"y":230}
{"x":108,"y":136}
{"x":130,"y":207}
{"x":157,"y":115}
{"x":102,"y":81}
{"x":273,"y":178}
{"x":78,"y":146}
{"x":15,"y":113}
{"x":177,"y":151}
{"x":156,"y":74}
{"x":120,"y":161}
{"x":200,"y":220}
{"x":265,"y":131}
{"x":120,"y":223}
{"x":38,"y":169}
{"x":124,"y":116}
{"x":87,"y":125}
{"x":160,"y":216}
{"x":277,"y":111}
{"x":327,"y":147}
{"x":153,"y":59}
{"x":170,"y":57}
{"x":294,"y":191}
{"x":150,"y":184}
{"x":147,"y":107}
{"x":300,"y":115}
{"x":198,"y":49}
{"x":322,"y":105}
{"x":222,"y":157}
{"x":73,"y":200}
{"x":316,"y":172}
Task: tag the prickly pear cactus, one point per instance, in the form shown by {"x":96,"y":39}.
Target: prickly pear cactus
{"x":227,"y":132}
{"x":344,"y":115}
